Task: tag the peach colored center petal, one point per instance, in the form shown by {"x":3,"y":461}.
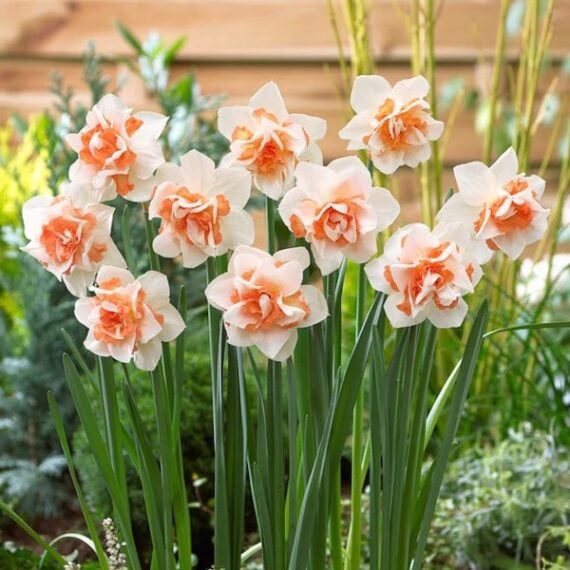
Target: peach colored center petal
{"x":394,"y":129}
{"x":63,"y":237}
{"x":104,"y":147}
{"x":120,"y":319}
{"x":265,"y":157}
{"x":426,"y":281}
{"x":338,"y":223}
{"x":97,"y":252}
{"x":122,"y":183}
{"x":199,"y":224}
{"x":264,"y":305}
{"x":117,"y":320}
{"x":515,"y":217}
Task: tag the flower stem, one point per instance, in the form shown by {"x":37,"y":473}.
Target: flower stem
{"x":270,"y":221}
{"x":431,"y":68}
{"x":277,"y":471}
{"x":149,"y":230}
{"x":167,"y":469}
{"x":496,"y":79}
{"x":333,"y":291}
{"x":357,"y":478}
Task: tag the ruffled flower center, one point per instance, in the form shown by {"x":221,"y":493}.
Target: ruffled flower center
{"x":121,"y":314}
{"x":119,"y":317}
{"x":431,"y":278}
{"x":63,"y":238}
{"x":267,"y":151}
{"x":104,"y":147}
{"x":337,"y":223}
{"x":264,"y":307}
{"x":395,"y":130}
{"x":509,"y":212}
{"x":195,"y":217}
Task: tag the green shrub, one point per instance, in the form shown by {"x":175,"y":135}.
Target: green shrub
{"x":197,"y":447}
{"x":21,"y":559}
{"x":497,"y":503}
{"x":31,"y":343}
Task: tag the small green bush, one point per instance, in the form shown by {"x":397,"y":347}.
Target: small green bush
{"x":21,"y":559}
{"x":497,"y":503}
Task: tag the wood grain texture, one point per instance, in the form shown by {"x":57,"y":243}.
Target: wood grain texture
{"x":309,"y":88}
{"x":235,"y":46}
{"x":262,"y":30}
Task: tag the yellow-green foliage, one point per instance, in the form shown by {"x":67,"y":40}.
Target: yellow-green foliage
{"x":23,"y":168}
{"x":23,"y":173}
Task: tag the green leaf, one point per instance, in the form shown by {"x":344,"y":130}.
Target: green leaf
{"x":174,"y":49}
{"x":129,"y":37}
{"x":69,"y":536}
{"x":77,"y":355}
{"x":149,"y":473}
{"x":221,"y":516}
{"x":87,"y":516}
{"x":98,"y":446}
{"x":236,"y":459}
{"x":38,"y":539}
{"x":335,"y":430}
{"x":446,"y":391}
{"x":464,"y":376}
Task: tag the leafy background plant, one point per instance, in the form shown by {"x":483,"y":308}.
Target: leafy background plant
{"x":34,"y":307}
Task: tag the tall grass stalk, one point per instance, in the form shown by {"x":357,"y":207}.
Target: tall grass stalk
{"x":362,"y":64}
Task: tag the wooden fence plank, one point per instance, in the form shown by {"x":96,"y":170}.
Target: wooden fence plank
{"x":228,"y":30}
{"x":312,"y":89}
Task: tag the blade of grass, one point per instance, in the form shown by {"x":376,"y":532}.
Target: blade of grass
{"x":87,"y":516}
{"x":37,"y":538}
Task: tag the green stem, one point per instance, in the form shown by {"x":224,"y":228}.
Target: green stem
{"x":431,"y":68}
{"x":113,"y":433}
{"x":292,"y":424}
{"x":270,"y":221}
{"x":496,"y":80}
{"x":277,"y":471}
{"x":355,"y":532}
{"x":167,"y":469}
{"x":149,"y":230}
{"x":221,"y":532}
{"x":400,"y":544}
{"x":333,"y":289}
{"x":111,"y":418}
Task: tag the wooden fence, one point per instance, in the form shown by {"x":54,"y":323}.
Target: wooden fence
{"x":237,"y":45}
